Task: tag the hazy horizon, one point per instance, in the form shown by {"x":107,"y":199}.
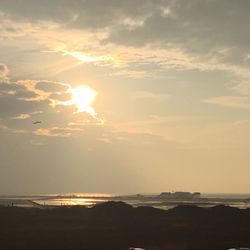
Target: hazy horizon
{"x":136,"y":96}
{"x":98,"y":195}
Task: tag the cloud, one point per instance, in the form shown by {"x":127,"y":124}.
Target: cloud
{"x":154,"y":125}
{"x":208,"y":29}
{"x":55,"y":132}
{"x":4,"y":73}
{"x":149,"y":95}
{"x":93,"y":14}
{"x":11,"y":106}
{"x":20,"y":97}
{"x":10,"y":88}
{"x":21,"y":117}
{"x":152,"y":61}
{"x":26,"y":95}
{"x":24,"y":101}
{"x":60,"y":97}
{"x":195,"y":25}
{"x":142,"y":38}
{"x":242,"y":87}
{"x":5,"y":129}
{"x":242,"y":102}
{"x":52,"y":87}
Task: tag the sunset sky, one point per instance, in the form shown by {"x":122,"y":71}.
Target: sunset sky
{"x":135,"y":96}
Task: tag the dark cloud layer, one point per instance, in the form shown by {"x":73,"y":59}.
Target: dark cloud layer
{"x":207,"y":27}
{"x":216,"y":29}
{"x":49,"y":86}
{"x":78,"y":13}
{"x":20,"y":98}
{"x":11,"y":106}
{"x":10,"y":87}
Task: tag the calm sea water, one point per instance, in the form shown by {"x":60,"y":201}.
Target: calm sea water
{"x":227,"y":196}
{"x":70,"y":201}
{"x":92,"y":199}
{"x":134,"y":201}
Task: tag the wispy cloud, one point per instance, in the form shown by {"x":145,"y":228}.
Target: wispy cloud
{"x":149,"y":95}
{"x":21,"y":117}
{"x":6,"y":129}
{"x":4,"y":73}
{"x":56,"y":131}
{"x":242,"y":102}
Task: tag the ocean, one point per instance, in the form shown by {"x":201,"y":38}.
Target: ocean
{"x":206,"y":200}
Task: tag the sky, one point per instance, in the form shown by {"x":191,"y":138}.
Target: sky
{"x":135,"y":96}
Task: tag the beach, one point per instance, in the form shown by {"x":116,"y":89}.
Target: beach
{"x":118,"y":226}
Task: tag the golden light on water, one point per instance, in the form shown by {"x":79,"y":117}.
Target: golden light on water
{"x":82,"y":97}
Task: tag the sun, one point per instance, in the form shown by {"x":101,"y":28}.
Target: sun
{"x":83,"y":97}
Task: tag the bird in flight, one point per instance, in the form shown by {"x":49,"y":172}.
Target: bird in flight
{"x":37,"y":122}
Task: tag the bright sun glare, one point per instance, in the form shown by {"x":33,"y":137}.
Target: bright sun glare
{"x":83,"y":97}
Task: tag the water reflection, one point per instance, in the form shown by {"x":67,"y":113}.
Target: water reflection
{"x":89,"y":200}
{"x":69,"y":201}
